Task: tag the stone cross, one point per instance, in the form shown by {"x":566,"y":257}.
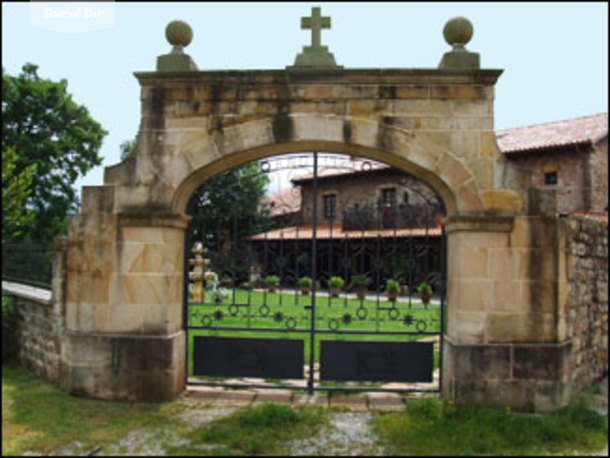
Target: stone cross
{"x":316,"y":23}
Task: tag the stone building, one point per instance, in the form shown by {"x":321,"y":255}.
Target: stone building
{"x":366,"y":207}
{"x":569,"y":157}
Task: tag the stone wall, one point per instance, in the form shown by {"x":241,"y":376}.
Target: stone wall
{"x":37,"y":329}
{"x":586,"y":304}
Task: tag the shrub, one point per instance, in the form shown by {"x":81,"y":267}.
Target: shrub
{"x":335,"y":282}
{"x":424,"y":288}
{"x":359,"y":281}
{"x":272,"y":280}
{"x":9,"y":337}
{"x":392,"y":285}
{"x":305,"y":282}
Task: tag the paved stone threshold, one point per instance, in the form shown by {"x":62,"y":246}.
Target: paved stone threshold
{"x":357,"y":402}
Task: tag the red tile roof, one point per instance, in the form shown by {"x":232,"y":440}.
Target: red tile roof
{"x":335,"y":232}
{"x":586,"y":129}
{"x":284,"y":202}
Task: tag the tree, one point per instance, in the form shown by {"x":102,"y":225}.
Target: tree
{"x":15,"y":190}
{"x":46,"y":128}
{"x":227,"y":207}
{"x":128,"y":147}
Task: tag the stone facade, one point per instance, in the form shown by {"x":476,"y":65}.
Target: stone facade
{"x":567,"y":159}
{"x":582,"y":176}
{"x":363,"y":189}
{"x":586,"y":298}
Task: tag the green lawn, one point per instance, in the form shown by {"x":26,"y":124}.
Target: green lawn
{"x":39,"y":416}
{"x":435,"y":427}
{"x":286,"y":313}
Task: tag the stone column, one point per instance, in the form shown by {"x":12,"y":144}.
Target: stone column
{"x":124,"y":338}
{"x":503,"y":345}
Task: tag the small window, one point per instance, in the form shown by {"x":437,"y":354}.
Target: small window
{"x":330,"y":206}
{"x":406,"y":198}
{"x":388,"y":197}
{"x":550,"y":178}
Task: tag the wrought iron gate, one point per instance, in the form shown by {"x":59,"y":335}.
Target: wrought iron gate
{"x":280,"y":303}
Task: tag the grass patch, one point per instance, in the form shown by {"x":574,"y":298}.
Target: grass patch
{"x":39,"y":417}
{"x":434,"y":427}
{"x":260,"y":430}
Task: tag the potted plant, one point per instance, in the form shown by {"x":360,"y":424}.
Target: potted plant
{"x":392,"y":287}
{"x":425,"y":292}
{"x":305,"y":285}
{"x":360,"y":283}
{"x":272,"y":281}
{"x":335,"y":284}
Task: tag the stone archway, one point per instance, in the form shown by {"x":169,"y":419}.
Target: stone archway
{"x":124,"y":326}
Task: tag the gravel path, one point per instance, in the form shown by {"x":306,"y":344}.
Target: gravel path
{"x":349,"y":434}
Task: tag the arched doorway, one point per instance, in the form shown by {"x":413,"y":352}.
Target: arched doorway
{"x":280,"y":302}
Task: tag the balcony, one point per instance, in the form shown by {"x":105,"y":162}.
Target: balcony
{"x":403,"y":216}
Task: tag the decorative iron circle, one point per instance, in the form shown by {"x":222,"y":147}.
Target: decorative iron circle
{"x":264,"y":310}
{"x":333,"y":324}
{"x":361,"y":313}
{"x":233,"y":309}
{"x":291,"y":323}
{"x":393,"y":313}
{"x":206,"y":321}
{"x":421,"y":325}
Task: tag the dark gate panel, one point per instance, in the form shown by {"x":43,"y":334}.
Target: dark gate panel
{"x":245,"y":357}
{"x":377,"y":361}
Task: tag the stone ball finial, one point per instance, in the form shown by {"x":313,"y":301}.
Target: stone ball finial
{"x":458,"y":31}
{"x":178,"y":33}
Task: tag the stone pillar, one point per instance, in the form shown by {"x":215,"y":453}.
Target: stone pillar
{"x":504,"y":344}
{"x":124,"y":338}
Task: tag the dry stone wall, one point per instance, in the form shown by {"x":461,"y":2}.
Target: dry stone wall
{"x":587,"y":298}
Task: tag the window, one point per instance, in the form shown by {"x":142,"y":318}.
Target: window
{"x":406,"y":197}
{"x":550,"y":178}
{"x":388,"y":197}
{"x":330,"y":206}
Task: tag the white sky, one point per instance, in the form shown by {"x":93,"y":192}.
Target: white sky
{"x":554,"y":55}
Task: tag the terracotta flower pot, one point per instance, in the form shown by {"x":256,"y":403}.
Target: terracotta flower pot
{"x":361,"y":293}
{"x":392,"y":295}
{"x":335,"y":292}
{"x":305,"y":291}
{"x":425,"y":298}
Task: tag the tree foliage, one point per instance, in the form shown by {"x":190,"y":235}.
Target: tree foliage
{"x":128,"y":147}
{"x":16,"y":187}
{"x":227,"y":207}
{"x":46,"y":128}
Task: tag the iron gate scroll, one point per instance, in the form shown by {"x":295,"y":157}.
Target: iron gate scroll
{"x":319,"y":285}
